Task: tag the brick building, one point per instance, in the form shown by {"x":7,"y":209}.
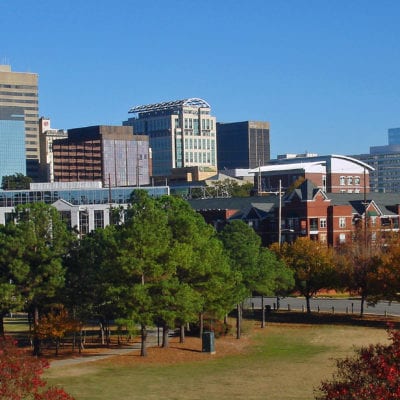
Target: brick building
{"x":110,"y":154}
{"x":331,"y":173}
{"x":308,"y":211}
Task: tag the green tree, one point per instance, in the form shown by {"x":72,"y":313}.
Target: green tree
{"x":273,"y":277}
{"x":91,"y":278}
{"x":45,"y":241}
{"x":200,"y":265}
{"x":143,"y":260}
{"x":313,"y":266}
{"x":243,"y":248}
{"x":13,"y":271}
{"x":17,"y":181}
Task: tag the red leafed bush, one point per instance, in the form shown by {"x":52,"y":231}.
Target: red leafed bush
{"x":20,"y":375}
{"x":373,"y":374}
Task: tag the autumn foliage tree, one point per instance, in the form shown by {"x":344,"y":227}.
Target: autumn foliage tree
{"x":373,"y":374}
{"x":55,"y":325}
{"x":20,"y":375}
{"x":313,"y":266}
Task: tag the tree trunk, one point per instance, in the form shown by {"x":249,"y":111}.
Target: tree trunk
{"x":165,"y":339}
{"x":143,"y":348}
{"x":362,"y":304}
{"x":262,"y":312}
{"x":2,"y":315}
{"x":308,"y":304}
{"x":238,"y":320}
{"x":201,"y":321}
{"x":36,"y":340}
{"x":102,"y":332}
{"x":182,"y":334}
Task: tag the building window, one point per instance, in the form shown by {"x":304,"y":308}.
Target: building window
{"x":322,"y":223}
{"x":98,"y":219}
{"x":342,"y":222}
{"x":356,"y":180}
{"x":66,"y":218}
{"x":373,"y":220}
{"x":313,"y":224}
{"x":322,"y":238}
{"x":83,"y":222}
{"x":349,"y":180}
{"x":342,"y":181}
{"x":342,"y":238}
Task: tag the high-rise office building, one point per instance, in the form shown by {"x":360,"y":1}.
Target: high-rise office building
{"x":110,"y":154}
{"x":47,"y":136}
{"x":386,"y":163}
{"x":20,"y":89}
{"x":394,"y":136}
{"x":182,"y":135}
{"x":243,"y":144}
{"x":12,"y":139}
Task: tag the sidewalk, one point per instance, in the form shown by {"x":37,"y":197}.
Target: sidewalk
{"x":151,"y":342}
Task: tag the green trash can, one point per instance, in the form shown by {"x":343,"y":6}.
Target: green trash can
{"x":208,"y":345}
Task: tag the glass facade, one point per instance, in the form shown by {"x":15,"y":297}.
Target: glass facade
{"x":11,"y":198}
{"x":12,"y":141}
{"x":19,"y":89}
{"x":125,"y":162}
{"x":243,"y":144}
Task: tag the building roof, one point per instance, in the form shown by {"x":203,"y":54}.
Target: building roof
{"x":331,"y":158}
{"x":306,"y":191}
{"x":265,"y":203}
{"x":306,"y":166}
{"x":192,"y":102}
{"x":386,"y":202}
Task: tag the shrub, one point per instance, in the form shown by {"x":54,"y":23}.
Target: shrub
{"x":20,"y":375}
{"x":373,"y":374}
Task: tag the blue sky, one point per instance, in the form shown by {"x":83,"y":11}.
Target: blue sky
{"x":325,"y":74}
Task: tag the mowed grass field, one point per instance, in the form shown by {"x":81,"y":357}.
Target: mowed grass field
{"x":280,"y":362}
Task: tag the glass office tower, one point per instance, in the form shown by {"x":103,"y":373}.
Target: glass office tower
{"x":20,"y":89}
{"x":12,"y":141}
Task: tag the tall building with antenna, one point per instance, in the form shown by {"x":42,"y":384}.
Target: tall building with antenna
{"x":20,"y":89}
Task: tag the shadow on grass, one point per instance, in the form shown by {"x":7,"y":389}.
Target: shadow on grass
{"x":325,"y":318}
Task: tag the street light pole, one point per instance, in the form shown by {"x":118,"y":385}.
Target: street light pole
{"x":280,"y":215}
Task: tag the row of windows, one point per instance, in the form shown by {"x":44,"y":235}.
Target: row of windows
{"x":194,"y":144}
{"x":193,"y":123}
{"x":31,"y":87}
{"x":350,"y":191}
{"x":19,"y":101}
{"x":343,"y":180}
{"x":25,"y":94}
{"x":200,"y":157}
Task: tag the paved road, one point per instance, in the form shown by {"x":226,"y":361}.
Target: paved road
{"x":327,"y":305}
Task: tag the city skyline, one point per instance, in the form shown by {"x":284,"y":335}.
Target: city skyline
{"x":324,"y":75}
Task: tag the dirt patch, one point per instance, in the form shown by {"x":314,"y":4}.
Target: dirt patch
{"x":189,"y":351}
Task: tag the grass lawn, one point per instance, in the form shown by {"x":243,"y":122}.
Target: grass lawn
{"x":281,"y":362}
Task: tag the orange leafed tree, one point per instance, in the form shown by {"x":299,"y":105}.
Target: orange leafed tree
{"x":313,"y":266}
{"x":55,"y":325}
